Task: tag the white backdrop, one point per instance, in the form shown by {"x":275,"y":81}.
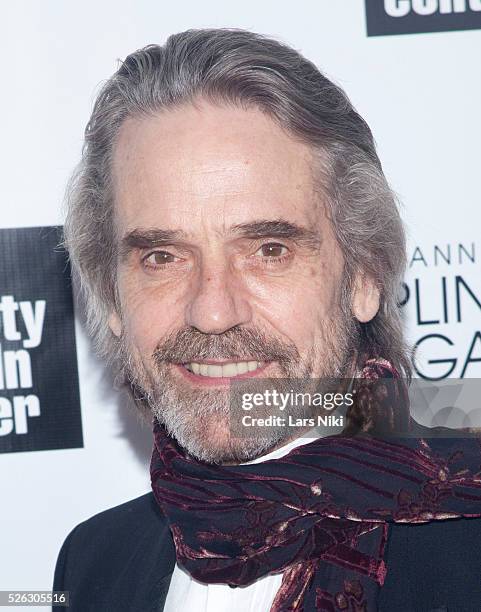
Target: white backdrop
{"x":421,"y":95}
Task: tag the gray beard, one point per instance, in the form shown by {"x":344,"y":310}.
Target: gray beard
{"x":201,"y":420}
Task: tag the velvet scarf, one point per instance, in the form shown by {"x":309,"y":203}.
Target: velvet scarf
{"x":320,"y":514}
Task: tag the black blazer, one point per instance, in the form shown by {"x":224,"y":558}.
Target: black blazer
{"x":121,"y":560}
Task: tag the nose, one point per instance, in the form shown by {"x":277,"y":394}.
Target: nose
{"x":217,"y":301}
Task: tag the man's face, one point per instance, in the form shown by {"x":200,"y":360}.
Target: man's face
{"x":228,"y":268}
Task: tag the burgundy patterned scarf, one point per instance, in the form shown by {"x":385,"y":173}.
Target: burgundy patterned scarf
{"x":320,"y":514}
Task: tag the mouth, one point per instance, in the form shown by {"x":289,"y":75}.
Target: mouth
{"x":220,"y":372}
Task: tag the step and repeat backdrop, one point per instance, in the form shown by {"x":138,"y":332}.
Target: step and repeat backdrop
{"x":70,"y":445}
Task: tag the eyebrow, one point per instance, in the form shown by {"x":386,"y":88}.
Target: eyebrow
{"x":279,"y":229}
{"x":150,"y":238}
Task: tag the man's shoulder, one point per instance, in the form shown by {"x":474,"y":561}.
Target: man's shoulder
{"x":118,"y":527}
{"x":115,"y":554}
{"x":431,"y":565}
{"x":129,"y":515}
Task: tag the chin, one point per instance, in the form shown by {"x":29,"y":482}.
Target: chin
{"x":213,"y":443}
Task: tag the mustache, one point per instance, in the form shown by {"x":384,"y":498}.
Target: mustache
{"x":189,"y":344}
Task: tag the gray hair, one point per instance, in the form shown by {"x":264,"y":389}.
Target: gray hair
{"x":248,"y":70}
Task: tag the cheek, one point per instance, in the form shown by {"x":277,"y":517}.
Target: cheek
{"x":296,"y":306}
{"x":149,"y":313}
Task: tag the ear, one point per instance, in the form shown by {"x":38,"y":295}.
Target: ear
{"x":365,"y":298}
{"x":115,"y":323}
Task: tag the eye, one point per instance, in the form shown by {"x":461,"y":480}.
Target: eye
{"x":159,"y":258}
{"x":272,"y":249}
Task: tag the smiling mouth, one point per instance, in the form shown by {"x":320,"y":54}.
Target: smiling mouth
{"x":228,"y":369}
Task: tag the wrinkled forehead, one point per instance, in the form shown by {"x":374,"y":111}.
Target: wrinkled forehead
{"x":215,"y":165}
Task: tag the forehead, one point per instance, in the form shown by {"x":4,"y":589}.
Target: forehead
{"x":219,"y":164}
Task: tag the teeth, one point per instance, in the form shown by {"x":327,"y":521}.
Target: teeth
{"x":215,"y":371}
{"x":226,"y":370}
{"x":195,"y":368}
{"x":229,"y":370}
{"x":242,"y":367}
